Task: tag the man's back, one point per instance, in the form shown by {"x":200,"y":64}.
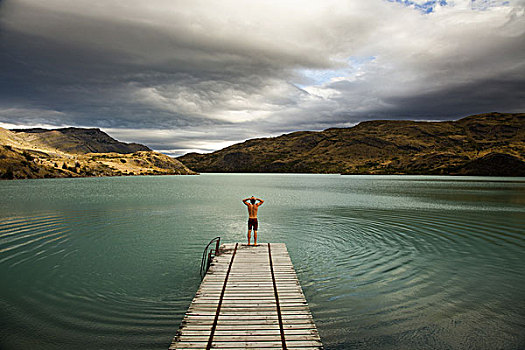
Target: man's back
{"x":253,"y":206}
{"x":252,"y":210}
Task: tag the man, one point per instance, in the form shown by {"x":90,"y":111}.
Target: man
{"x":252,"y":217}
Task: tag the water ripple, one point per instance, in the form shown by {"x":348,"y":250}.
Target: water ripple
{"x":32,"y":238}
{"x":390,"y":269}
{"x":381,"y":267}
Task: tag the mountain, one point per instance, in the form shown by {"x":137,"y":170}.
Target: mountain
{"x":74,"y":152}
{"x":78,"y":140}
{"x":486,"y":144}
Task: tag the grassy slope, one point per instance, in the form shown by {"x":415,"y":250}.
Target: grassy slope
{"x":381,"y":147}
{"x":77,"y":141}
{"x":40,"y":155}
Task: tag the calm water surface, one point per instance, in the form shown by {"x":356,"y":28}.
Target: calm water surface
{"x":386,"y":262}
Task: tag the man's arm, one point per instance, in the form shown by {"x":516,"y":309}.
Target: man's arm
{"x":245,"y":200}
{"x":260,"y":201}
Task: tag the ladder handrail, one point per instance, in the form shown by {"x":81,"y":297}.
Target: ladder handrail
{"x":210,"y":254}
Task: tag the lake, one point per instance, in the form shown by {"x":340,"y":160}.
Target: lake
{"x":385,"y":262}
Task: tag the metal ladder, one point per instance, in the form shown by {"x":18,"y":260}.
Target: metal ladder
{"x":208,"y":254}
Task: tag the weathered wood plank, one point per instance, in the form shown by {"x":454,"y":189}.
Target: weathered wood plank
{"x":250,"y":316}
{"x":241,"y":326}
{"x":227,"y":332}
{"x":247,"y":345}
{"x":244,"y":337}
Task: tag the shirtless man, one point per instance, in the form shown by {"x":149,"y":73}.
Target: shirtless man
{"x":252,"y":217}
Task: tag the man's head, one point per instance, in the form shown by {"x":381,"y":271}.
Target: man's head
{"x":252,"y":200}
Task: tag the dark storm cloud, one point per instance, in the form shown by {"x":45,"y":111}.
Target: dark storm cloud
{"x":483,"y":96}
{"x":197,"y":75}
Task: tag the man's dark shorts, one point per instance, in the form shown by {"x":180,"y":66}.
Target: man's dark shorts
{"x":252,"y":223}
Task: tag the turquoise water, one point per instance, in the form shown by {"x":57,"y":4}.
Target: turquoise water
{"x":386,"y":262}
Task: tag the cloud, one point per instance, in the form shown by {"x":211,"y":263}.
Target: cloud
{"x":196,"y":75}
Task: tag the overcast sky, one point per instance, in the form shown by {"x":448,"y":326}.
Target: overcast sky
{"x":193,"y":75}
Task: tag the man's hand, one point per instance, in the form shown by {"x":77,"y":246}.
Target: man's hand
{"x":252,"y":197}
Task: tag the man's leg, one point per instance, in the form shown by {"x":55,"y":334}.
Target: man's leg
{"x":254,"y":237}
{"x":250,"y":236}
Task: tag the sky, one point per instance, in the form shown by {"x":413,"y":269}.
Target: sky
{"x":190,"y":75}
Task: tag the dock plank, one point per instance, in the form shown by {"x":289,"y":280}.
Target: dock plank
{"x":247,"y":301}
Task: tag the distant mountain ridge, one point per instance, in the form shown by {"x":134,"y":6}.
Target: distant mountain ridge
{"x":76,"y":152}
{"x":79,"y":140}
{"x":490,"y":144}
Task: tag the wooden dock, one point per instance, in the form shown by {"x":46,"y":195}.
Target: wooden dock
{"x":249,"y":299}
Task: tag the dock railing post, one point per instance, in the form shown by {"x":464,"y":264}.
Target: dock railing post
{"x":209,"y":260}
{"x":217,"y":246}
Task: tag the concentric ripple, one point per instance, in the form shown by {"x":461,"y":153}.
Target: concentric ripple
{"x":28,"y":238}
{"x":385,"y":262}
{"x":387,"y":273}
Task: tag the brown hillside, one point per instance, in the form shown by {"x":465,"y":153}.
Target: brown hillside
{"x":376,"y":147}
{"x":77,"y":140}
{"x":39,"y":155}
